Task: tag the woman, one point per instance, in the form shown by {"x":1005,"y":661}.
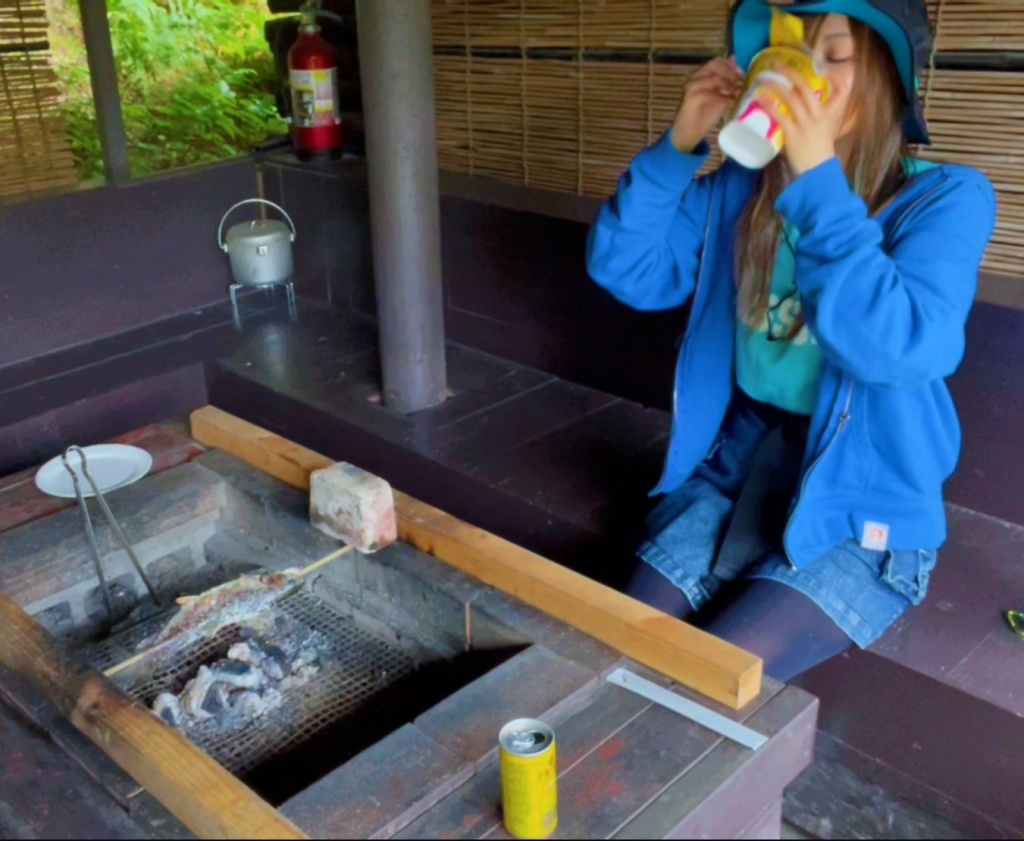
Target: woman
{"x":829,"y":299}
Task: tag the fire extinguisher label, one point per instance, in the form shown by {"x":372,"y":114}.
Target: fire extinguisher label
{"x":315,"y":98}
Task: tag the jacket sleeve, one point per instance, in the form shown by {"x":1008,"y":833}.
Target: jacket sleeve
{"x":645,"y":246}
{"x":889,"y":313}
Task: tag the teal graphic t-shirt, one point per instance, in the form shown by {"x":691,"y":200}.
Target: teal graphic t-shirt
{"x":770,"y":366}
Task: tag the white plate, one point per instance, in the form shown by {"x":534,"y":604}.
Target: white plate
{"x":111,"y":466}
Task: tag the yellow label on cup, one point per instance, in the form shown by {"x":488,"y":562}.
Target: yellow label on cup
{"x":787,"y":30}
{"x":753,"y":137}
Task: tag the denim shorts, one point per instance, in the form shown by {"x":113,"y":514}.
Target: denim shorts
{"x":862,"y":590}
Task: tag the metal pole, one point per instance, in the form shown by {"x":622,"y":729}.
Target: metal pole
{"x":397,"y":68}
{"x":103,"y":74}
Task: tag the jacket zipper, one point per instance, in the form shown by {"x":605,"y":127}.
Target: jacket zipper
{"x":682,"y":348}
{"x":844,"y":417}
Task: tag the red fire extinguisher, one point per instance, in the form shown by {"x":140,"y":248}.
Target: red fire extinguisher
{"x":313,"y":76}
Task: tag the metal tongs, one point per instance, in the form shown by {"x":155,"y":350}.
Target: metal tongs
{"x":91,"y":534}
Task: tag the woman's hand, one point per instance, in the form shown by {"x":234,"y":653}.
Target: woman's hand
{"x":709,"y":94}
{"x":810,"y":127}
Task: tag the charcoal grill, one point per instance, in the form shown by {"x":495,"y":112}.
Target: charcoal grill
{"x":355,"y":666}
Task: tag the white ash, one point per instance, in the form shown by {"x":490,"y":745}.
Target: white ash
{"x":193,"y":697}
{"x":245,"y":685}
{"x":168,"y":708}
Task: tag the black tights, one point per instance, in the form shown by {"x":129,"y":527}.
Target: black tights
{"x":777,"y":623}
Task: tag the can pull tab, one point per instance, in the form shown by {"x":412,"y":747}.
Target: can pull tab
{"x":526,"y":739}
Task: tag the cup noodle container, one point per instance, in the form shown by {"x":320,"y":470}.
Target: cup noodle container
{"x":752,"y":138}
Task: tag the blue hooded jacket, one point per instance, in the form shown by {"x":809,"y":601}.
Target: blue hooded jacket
{"x":886,"y":297}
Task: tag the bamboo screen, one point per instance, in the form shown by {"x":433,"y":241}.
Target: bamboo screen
{"x":561,"y":94}
{"x":35,"y":156}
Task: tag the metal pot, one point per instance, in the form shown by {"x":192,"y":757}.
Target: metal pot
{"x":260,"y":250}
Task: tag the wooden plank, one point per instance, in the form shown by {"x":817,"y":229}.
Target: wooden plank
{"x":43,"y":795}
{"x":533,"y":684}
{"x":727,"y":789}
{"x":382,"y":790}
{"x":694,"y":658}
{"x":474,"y":810}
{"x":199,"y":792}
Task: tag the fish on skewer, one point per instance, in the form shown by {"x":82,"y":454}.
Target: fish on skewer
{"x":203,"y":616}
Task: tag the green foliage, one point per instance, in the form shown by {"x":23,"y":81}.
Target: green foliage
{"x":196,"y":80}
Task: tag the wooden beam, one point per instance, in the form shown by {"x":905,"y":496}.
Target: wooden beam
{"x":204,"y":796}
{"x":696,"y":659}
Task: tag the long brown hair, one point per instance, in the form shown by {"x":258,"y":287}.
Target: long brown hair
{"x":871,"y":154}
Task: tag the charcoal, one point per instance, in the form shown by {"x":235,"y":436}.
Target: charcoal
{"x":269,"y":658}
{"x":276,"y":664}
{"x":194,"y":696}
{"x":237,"y":674}
{"x":216,"y":700}
{"x":167,"y":707}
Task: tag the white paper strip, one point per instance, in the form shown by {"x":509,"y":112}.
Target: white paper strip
{"x":685,"y":707}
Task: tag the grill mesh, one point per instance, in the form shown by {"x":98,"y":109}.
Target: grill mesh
{"x":355,"y":665}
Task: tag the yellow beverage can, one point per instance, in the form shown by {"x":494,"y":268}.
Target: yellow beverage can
{"x":529,"y":778}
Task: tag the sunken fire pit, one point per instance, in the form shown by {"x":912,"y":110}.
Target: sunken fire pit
{"x":366,"y":702}
{"x":341,"y":642}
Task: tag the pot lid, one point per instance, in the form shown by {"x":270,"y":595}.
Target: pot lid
{"x":257,"y":232}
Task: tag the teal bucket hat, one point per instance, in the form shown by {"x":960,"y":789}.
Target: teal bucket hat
{"x":902,"y":24}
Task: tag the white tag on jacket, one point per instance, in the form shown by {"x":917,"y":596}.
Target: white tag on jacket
{"x":876,"y":536}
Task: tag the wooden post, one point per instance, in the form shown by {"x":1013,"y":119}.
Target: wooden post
{"x":205,"y":797}
{"x":694,"y":658}
{"x":396,"y":63}
{"x":103,"y":75}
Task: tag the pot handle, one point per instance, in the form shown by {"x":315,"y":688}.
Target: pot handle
{"x":220,"y":230}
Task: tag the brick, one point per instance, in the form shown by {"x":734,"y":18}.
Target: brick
{"x":266,"y":509}
{"x":384,"y":621}
{"x":123,"y":599}
{"x":47,"y":556}
{"x":494,"y":613}
{"x":437,"y":574}
{"x":168,"y":572}
{"x":406,"y":586}
{"x":380,"y":791}
{"x":475,"y":809}
{"x":533,"y":684}
{"x":58,"y":620}
{"x":116,"y":565}
{"x":239,"y":474}
{"x":353,"y":505}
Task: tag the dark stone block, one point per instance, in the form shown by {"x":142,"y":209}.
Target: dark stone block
{"x":533,"y":684}
{"x":380,"y":791}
